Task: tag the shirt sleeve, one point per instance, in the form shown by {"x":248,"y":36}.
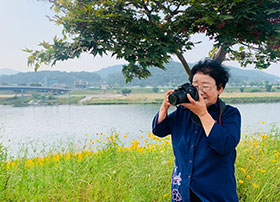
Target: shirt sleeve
{"x":224,"y":138}
{"x":163,"y":128}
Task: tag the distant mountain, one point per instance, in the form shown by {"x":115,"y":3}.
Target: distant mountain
{"x":51,"y":77}
{"x":7,"y":71}
{"x":173,"y":75}
{"x":109,"y":70}
{"x":239,"y":75}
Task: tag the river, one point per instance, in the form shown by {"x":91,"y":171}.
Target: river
{"x":50,"y":125}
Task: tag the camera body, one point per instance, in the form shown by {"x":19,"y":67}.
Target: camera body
{"x":180,"y":94}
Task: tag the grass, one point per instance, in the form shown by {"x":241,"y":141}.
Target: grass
{"x":108,"y":169}
{"x":138,"y":96}
{"x":156,"y":98}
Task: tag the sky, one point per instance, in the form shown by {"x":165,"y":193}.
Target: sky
{"x":24,"y":24}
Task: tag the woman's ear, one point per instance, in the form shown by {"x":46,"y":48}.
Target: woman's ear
{"x":220,"y":90}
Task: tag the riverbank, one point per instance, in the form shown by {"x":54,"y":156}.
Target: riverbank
{"x":156,"y":98}
{"x":137,"y":96}
{"x":108,"y":170}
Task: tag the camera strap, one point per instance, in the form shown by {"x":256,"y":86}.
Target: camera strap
{"x":222,"y":107}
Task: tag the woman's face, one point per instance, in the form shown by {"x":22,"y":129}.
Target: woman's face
{"x":207,"y":88}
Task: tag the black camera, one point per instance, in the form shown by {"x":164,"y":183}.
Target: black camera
{"x":180,"y":94}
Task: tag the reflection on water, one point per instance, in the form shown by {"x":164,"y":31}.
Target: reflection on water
{"x":50,"y":124}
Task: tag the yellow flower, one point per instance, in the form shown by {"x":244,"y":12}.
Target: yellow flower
{"x":261,"y":150}
{"x":29,"y":163}
{"x":68,"y":156}
{"x":256,"y":186}
{"x":165,"y":195}
{"x":255,"y":144}
{"x":274,"y":161}
{"x":241,"y":181}
{"x":248,"y":176}
{"x":251,"y":157}
{"x":263,"y":122}
{"x":243,"y":170}
{"x":260,"y":170}
{"x":7,"y":166}
{"x":125,"y":136}
{"x":14,"y":163}
{"x":264,"y":136}
{"x":247,"y":150}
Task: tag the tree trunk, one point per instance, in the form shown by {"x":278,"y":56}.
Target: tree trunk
{"x":184,"y":62}
{"x":220,"y":54}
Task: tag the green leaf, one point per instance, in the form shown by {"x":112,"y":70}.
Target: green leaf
{"x":147,"y":33}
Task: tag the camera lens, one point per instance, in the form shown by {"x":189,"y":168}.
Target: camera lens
{"x":172,"y":99}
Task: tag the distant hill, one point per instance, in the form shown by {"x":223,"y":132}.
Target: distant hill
{"x":7,"y":71}
{"x":109,"y":70}
{"x":173,"y":75}
{"x":59,"y":77}
{"x":239,"y":75}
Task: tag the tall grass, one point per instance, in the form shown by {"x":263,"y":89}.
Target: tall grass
{"x":110,"y":171}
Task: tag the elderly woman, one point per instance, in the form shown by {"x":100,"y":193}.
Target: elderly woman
{"x":204,"y":135}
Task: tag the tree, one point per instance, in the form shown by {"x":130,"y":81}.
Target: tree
{"x":147,"y":32}
{"x":126,"y":91}
{"x":155,"y":89}
{"x":268,"y":87}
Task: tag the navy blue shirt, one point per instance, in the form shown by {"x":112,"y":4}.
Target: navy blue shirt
{"x":203,"y":164}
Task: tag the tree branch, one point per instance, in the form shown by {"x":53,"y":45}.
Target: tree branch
{"x":148,"y":12}
{"x":184,"y":62}
{"x":220,"y":54}
{"x":176,"y":11}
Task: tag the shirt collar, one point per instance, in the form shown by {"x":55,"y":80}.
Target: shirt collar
{"x":214,"y":106}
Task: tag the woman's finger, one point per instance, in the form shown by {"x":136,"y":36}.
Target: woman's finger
{"x":192,"y":101}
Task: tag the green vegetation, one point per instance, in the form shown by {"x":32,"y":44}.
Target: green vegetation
{"x":243,"y":100}
{"x":172,"y":76}
{"x":258,"y":166}
{"x":15,"y":100}
{"x":111,"y":170}
{"x":121,"y":28}
{"x":126,"y":91}
{"x":134,"y":96}
{"x":41,"y":100}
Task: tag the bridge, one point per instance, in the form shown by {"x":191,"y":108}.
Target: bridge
{"x":22,"y":89}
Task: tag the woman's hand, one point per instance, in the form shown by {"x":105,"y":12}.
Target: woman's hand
{"x":200,"y":109}
{"x":197,"y":107}
{"x":166,"y":104}
{"x":164,"y":107}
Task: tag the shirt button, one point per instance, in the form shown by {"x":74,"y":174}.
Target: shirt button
{"x":195,"y":132}
{"x":190,"y":161}
{"x":192,"y":146}
{"x":189,"y":176}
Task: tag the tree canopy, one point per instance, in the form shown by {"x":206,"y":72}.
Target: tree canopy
{"x":147,"y":32}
